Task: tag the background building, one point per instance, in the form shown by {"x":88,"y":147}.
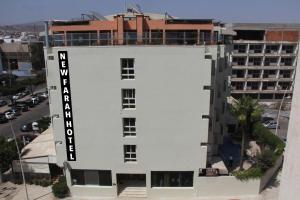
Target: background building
{"x":264,"y":60}
{"x":22,"y":58}
{"x":148,"y":96}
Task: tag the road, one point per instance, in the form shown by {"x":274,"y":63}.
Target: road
{"x":35,"y":113}
{"x":283,"y":121}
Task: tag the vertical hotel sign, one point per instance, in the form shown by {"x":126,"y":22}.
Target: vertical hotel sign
{"x":67,"y":104}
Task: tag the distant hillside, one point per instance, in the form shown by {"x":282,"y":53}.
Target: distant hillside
{"x":26,"y":27}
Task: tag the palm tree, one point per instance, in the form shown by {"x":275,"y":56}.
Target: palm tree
{"x":247,"y":111}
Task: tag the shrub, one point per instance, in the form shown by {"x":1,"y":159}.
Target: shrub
{"x":45,"y":183}
{"x":60,"y":189}
{"x":252,"y":173}
{"x":265,"y":136}
{"x":266,"y":160}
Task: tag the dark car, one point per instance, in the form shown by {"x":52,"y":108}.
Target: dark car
{"x":26,"y":127}
{"x":3,"y":103}
{"x":3,"y":119}
{"x":32,"y":126}
{"x":16,"y":111}
{"x":23,"y":107}
{"x":29,"y":103}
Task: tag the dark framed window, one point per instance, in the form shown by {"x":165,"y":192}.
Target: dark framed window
{"x":127,"y":68}
{"x":172,"y":179}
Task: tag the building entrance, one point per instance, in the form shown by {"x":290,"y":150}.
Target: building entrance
{"x":131,"y":185}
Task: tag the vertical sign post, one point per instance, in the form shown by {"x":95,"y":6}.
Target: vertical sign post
{"x":67,"y":104}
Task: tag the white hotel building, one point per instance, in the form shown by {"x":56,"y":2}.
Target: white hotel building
{"x":147,"y":100}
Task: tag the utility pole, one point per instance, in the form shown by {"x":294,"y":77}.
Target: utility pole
{"x":15,"y":139}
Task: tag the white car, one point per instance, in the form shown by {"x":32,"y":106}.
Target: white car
{"x":16,"y":97}
{"x":9,"y":115}
{"x":272,"y":125}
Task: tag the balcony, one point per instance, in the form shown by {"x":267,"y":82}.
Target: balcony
{"x":108,"y":38}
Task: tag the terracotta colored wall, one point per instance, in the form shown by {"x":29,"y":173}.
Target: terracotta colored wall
{"x":291,"y":36}
{"x":143,"y":23}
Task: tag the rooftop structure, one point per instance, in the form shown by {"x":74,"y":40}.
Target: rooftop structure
{"x":137,"y":29}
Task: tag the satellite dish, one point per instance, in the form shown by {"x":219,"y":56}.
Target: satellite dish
{"x":98,"y":16}
{"x":134,"y":8}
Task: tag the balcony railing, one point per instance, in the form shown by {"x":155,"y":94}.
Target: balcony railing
{"x":131,"y":38}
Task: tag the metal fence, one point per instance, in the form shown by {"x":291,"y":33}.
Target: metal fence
{"x":132,"y":38}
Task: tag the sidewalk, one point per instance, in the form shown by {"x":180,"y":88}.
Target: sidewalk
{"x":17,"y":192}
{"x":34,"y":192}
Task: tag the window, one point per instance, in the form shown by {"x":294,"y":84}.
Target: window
{"x":127,"y":68}
{"x":77,"y":177}
{"x":287,"y":49}
{"x":270,"y":61}
{"x":272,"y":48}
{"x":254,"y":61}
{"x":130,"y":153}
{"x":91,"y":177}
{"x":105,"y":178}
{"x":255,"y":48}
{"x":128,"y":98}
{"x":239,"y":61}
{"x":129,"y":127}
{"x":172,"y":179}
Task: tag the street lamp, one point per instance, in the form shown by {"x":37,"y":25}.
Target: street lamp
{"x":15,"y":139}
{"x":281,"y":103}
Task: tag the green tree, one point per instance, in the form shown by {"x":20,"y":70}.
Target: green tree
{"x":8,"y":153}
{"x":247,"y":112}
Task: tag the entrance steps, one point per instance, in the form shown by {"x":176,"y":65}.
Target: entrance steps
{"x":133,"y":192}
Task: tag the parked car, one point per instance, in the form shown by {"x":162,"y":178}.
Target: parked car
{"x":23,"y":107}
{"x":32,"y":126}
{"x":16,"y":111}
{"x":27,"y":102}
{"x":266,"y":119}
{"x":35,"y":100}
{"x":271,"y":125}
{"x":3,"y":103}
{"x":42,"y":95}
{"x":16,"y":97}
{"x":9,"y":115}
{"x":3,"y":119}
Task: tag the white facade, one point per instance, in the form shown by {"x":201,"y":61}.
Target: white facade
{"x":171,"y":112}
{"x":289,"y":185}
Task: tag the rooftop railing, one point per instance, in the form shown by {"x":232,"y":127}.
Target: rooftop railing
{"x":131,"y":38}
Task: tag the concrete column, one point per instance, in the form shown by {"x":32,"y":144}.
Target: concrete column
{"x":245,"y":86}
{"x":198,"y":37}
{"x":164,"y":36}
{"x":65,"y":38}
{"x":264,"y":48}
{"x":260,"y":86}
{"x":280,"y":48}
{"x":139,"y":28}
{"x":247,"y":48}
{"x":120,"y":29}
{"x":98,"y":37}
{"x":112,"y":37}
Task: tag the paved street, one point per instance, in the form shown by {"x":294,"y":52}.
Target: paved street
{"x":35,"y":113}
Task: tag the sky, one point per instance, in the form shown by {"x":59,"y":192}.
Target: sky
{"x":23,"y":11}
